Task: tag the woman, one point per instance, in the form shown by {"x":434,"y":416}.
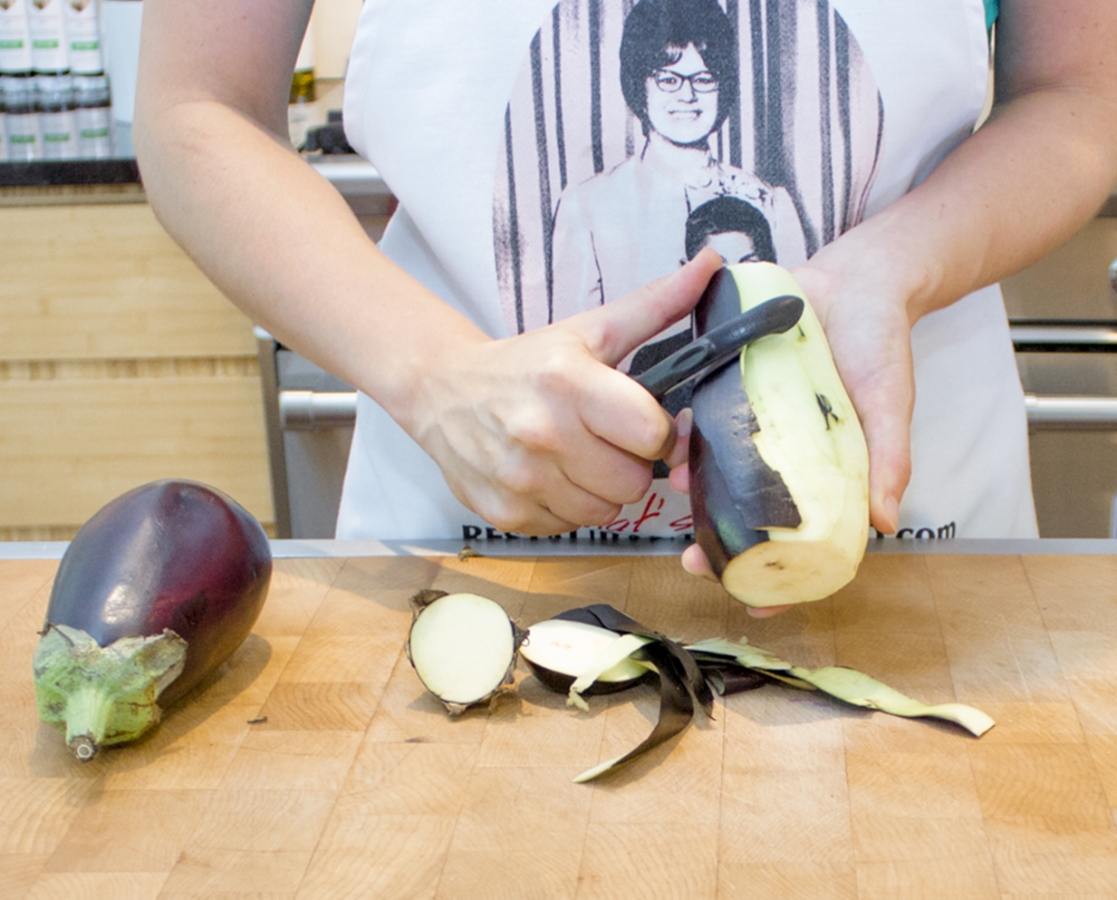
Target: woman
{"x":537,"y":433}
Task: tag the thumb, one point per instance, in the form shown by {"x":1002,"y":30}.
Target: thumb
{"x":618,"y":327}
{"x":889,"y":441}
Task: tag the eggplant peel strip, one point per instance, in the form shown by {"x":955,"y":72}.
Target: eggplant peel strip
{"x":849,"y":685}
{"x":676,"y":710}
{"x":682,"y":684}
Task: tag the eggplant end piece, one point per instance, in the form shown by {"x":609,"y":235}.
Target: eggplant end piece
{"x":103,"y":695}
{"x":463,"y":648}
{"x":558,"y":651}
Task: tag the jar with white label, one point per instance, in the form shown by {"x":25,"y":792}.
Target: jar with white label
{"x":3,"y":127}
{"x":57,"y":125}
{"x":82,"y":22}
{"x":21,"y":119}
{"x":48,"y":41}
{"x":93,"y":115}
{"x":15,"y":40}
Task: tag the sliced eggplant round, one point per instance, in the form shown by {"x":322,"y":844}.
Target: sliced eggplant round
{"x":558,"y":651}
{"x":462,"y":647}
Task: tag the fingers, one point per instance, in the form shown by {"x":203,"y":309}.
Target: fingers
{"x":537,"y":474}
{"x":601,"y":469}
{"x":765,"y":612}
{"x":679,"y":478}
{"x":694,"y":562}
{"x":679,"y":450}
{"x":618,"y":327}
{"x":536,"y":500}
{"x":620,"y":411}
{"x":884,"y":406}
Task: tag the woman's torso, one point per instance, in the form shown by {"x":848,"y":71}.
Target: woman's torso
{"x":484,"y":119}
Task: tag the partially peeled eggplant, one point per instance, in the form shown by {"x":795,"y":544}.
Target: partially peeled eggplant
{"x":778,"y":461}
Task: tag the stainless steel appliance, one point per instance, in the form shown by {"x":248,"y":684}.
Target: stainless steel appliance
{"x":1064,"y":316}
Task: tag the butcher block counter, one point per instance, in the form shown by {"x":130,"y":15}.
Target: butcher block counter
{"x":315,"y":765}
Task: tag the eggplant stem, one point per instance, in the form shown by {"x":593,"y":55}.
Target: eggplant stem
{"x":87,"y":718}
{"x":103,"y":695}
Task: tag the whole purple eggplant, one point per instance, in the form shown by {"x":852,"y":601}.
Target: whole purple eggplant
{"x":153,"y":594}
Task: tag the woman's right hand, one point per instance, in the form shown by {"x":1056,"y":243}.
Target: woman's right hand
{"x":540,"y":433}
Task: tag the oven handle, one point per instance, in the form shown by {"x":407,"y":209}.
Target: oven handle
{"x":1063,"y":336}
{"x":313,"y":410}
{"x":1055,"y":413}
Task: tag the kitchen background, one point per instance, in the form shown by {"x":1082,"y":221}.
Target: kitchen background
{"x":121,"y":364}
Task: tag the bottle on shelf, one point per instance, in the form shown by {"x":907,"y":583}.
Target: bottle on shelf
{"x":21,"y":118}
{"x":93,"y":116}
{"x":48,"y":40}
{"x":82,"y":25}
{"x":3,"y":124}
{"x":15,"y":40}
{"x":57,"y":123}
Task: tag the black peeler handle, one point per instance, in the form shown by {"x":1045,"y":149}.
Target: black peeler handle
{"x":718,"y":345}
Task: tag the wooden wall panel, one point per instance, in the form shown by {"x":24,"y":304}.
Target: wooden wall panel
{"x":119,"y":364}
{"x":69,"y":445}
{"x":106,"y":281}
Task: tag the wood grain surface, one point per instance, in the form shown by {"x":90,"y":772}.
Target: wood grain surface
{"x":352,"y":782}
{"x":120,"y":363}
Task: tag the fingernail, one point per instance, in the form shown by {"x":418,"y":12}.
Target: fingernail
{"x":684,"y":421}
{"x":892,"y":514}
{"x":765,"y":612}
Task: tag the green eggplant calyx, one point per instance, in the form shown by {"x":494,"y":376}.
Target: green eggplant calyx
{"x":103,"y":695}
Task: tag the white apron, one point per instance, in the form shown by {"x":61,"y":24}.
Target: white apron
{"x":493,"y":121}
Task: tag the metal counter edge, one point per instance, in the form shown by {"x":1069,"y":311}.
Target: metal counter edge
{"x":305,"y":548}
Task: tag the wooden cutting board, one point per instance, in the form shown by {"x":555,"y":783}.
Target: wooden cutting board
{"x":315,"y":766}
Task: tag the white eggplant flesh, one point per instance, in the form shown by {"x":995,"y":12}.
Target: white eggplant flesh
{"x":807,"y":542}
{"x":463,"y":648}
{"x":560,"y":651}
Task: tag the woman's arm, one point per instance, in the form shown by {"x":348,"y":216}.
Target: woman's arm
{"x":1022,"y":184}
{"x":537,"y":433}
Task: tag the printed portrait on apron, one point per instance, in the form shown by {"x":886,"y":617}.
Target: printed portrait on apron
{"x":638,"y":133}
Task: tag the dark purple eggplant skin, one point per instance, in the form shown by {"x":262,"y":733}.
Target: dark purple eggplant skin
{"x":169,"y":554}
{"x":561,"y":683}
{"x":735,"y":496}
